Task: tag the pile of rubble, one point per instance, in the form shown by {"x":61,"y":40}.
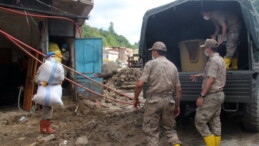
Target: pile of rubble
{"x":123,"y":81}
{"x":125,"y":78}
{"x":108,"y":69}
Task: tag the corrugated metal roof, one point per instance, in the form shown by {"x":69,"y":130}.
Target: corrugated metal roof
{"x":77,"y":10}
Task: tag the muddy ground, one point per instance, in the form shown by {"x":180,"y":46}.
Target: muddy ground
{"x":102,"y":126}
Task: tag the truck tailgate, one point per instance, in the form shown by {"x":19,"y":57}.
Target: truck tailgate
{"x":238,"y":86}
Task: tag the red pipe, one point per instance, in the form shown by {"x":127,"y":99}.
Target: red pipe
{"x":44,"y":16}
{"x":99,"y":103}
{"x":27,"y":52}
{"x":65,"y":65}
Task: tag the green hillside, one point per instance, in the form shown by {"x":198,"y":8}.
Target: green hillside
{"x":110,"y":37}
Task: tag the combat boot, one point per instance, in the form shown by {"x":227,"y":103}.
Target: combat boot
{"x":217,"y":140}
{"x":209,"y":140}
{"x":42,"y":126}
{"x":48,"y":128}
{"x":234,"y":62}
{"x":227,"y":62}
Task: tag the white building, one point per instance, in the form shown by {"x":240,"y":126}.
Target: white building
{"x":110,"y":55}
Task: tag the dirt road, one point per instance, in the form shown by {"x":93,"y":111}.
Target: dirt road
{"x":100,"y":126}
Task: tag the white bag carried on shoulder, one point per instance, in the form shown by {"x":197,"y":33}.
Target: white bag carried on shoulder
{"x":49,"y":95}
{"x":51,"y":72}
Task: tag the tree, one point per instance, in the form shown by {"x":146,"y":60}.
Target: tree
{"x":110,"y":38}
{"x":136,"y":45}
{"x":111,"y":28}
{"x":256,"y":4}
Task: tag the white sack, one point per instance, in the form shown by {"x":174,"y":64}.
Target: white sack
{"x":49,"y":95}
{"x":51,"y":72}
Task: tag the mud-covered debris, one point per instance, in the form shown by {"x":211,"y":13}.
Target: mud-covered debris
{"x":83,"y":140}
{"x":123,"y":81}
{"x":109,"y":68}
{"x":125,"y":78}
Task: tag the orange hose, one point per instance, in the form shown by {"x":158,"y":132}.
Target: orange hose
{"x":87,"y":89}
{"x":44,"y":16}
{"x":6,"y":34}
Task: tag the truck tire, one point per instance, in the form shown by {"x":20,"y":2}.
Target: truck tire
{"x":251,"y":117}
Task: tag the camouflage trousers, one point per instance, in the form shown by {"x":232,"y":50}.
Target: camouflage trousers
{"x":207,"y":118}
{"x":159,"y":114}
{"x":231,"y":45}
{"x":47,"y":112}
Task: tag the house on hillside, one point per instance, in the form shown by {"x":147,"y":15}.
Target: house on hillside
{"x":110,"y":54}
{"x":117,"y":54}
{"x":37,"y":23}
{"x":124,"y":53}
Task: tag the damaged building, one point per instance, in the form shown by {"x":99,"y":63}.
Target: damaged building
{"x":37,"y":23}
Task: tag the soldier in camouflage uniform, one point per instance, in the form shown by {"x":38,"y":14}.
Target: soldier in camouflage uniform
{"x":230,"y":26}
{"x":162,"y":79}
{"x":212,"y":96}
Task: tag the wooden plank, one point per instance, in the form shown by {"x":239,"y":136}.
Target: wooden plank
{"x":29,"y":89}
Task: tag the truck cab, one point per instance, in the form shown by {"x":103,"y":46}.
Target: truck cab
{"x":181,"y":27}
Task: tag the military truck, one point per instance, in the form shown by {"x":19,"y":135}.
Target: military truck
{"x":181,"y":27}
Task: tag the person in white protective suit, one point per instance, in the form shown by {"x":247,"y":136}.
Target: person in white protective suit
{"x":51,"y":81}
